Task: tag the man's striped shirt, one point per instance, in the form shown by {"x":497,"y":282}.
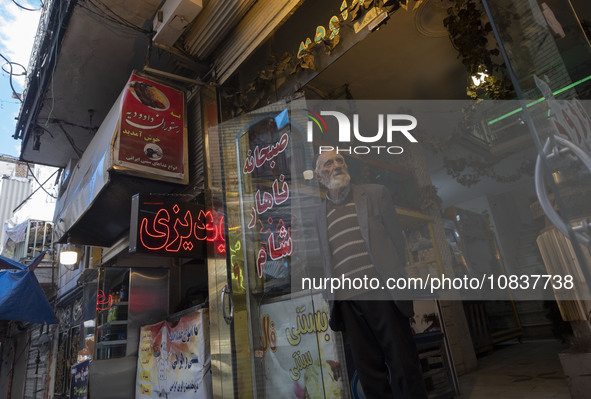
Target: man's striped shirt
{"x":350,"y":258}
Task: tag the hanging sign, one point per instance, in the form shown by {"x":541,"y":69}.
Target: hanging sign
{"x":166,"y":225}
{"x":174,"y":360}
{"x":151,"y":134}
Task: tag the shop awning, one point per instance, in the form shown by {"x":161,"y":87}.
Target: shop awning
{"x":23,"y":299}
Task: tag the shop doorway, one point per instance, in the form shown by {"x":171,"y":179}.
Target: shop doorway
{"x":270,"y":339}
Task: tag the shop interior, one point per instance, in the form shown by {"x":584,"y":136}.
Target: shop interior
{"x":411,"y":57}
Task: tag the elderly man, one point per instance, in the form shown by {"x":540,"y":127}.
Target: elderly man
{"x":360,"y":237}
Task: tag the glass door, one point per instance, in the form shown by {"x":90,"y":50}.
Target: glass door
{"x":545,"y":46}
{"x":274,"y":340}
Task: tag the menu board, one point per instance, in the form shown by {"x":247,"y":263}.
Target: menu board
{"x":151,"y":135}
{"x":299,"y":350}
{"x":174,"y":359}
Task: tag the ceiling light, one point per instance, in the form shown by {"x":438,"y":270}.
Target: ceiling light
{"x":68,"y":254}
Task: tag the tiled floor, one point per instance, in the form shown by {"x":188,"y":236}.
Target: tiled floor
{"x":513,"y":370}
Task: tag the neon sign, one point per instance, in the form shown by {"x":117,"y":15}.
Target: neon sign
{"x":103,"y":302}
{"x":161,"y":225}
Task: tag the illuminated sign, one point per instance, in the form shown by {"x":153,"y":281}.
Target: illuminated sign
{"x":165,"y":225}
{"x":103,"y":302}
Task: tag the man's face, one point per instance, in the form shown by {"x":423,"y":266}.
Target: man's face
{"x":331,"y":170}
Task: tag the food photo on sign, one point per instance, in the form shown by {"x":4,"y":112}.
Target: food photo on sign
{"x":152,"y":133}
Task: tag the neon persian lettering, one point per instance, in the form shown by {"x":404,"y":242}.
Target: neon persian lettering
{"x":175,"y":232}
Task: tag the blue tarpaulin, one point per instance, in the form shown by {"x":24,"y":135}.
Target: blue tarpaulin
{"x":23,"y":299}
{"x":7,"y":263}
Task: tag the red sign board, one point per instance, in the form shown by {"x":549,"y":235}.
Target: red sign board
{"x":152,"y":135}
{"x":165,"y":225}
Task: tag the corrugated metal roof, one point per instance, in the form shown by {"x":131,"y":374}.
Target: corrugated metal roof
{"x":13,"y":191}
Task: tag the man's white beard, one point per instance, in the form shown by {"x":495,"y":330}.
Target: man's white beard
{"x":338,"y":182}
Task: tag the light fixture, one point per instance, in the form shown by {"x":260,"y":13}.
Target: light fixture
{"x":479,"y":78}
{"x":68,"y":254}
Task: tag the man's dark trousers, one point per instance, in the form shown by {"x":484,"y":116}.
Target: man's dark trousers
{"x":379,"y":334}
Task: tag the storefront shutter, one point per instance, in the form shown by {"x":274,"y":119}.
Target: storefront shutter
{"x":213,"y":24}
{"x":196,"y":145}
{"x":234,"y":29}
{"x":260,"y":22}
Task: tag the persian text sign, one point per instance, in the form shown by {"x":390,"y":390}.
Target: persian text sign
{"x":299,"y":350}
{"x":173,"y":360}
{"x":266,"y":167}
{"x":151,"y":133}
{"x":167,"y":226}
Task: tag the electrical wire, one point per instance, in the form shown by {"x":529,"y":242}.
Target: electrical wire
{"x":109,"y":23}
{"x":11,"y":63}
{"x":67,"y":268}
{"x":101,"y":10}
{"x":116,"y":16}
{"x":41,"y":185}
{"x":11,"y":74}
{"x":33,"y":193}
{"x":45,"y":131}
{"x":55,"y":120}
{"x":29,"y":9}
{"x":2,"y":102}
{"x":77,"y":150}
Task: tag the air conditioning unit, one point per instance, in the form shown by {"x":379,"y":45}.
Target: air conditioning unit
{"x":172,"y":19}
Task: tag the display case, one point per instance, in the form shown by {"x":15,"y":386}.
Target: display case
{"x":112,"y":311}
{"x":126,"y":299}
